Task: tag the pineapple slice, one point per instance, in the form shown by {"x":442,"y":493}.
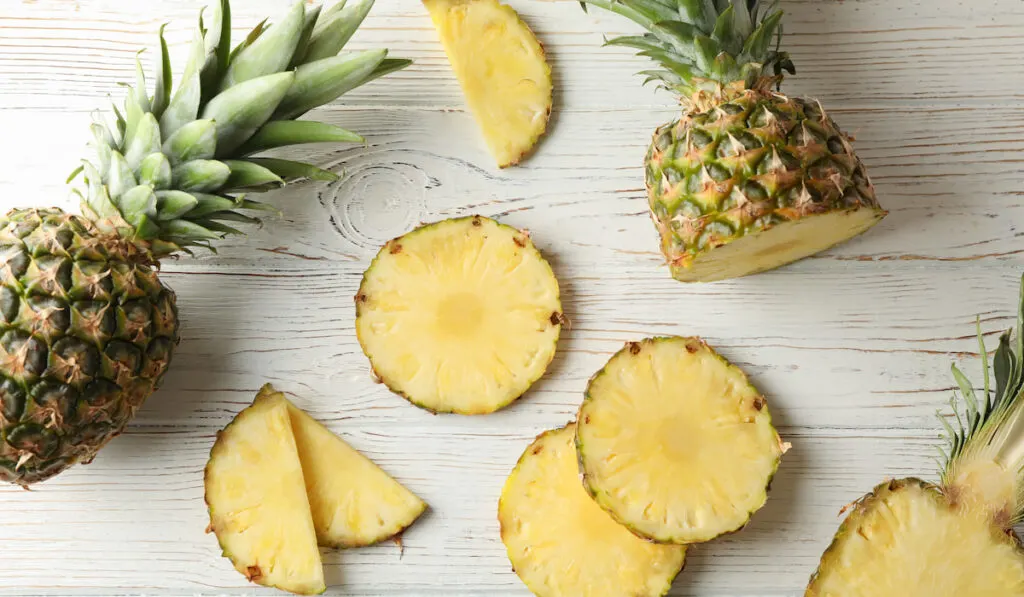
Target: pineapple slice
{"x":502,"y":70}
{"x":562,"y":544}
{"x":459,"y":316}
{"x":257,"y":501}
{"x":354,"y":503}
{"x":906,"y":539}
{"x":675,"y":442}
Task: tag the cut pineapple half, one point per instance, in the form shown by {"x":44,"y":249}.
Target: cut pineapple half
{"x":257,"y":501}
{"x":562,"y":544}
{"x":675,"y":442}
{"x":459,"y":316}
{"x":778,"y":245}
{"x":502,"y":70}
{"x":354,"y":503}
{"x":905,"y":539}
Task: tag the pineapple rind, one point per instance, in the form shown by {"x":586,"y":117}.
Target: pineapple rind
{"x":759,"y":161}
{"x":476,"y":390}
{"x":354,"y":503}
{"x":235,"y":526}
{"x":677,"y":524}
{"x":561,"y":544}
{"x":829,"y":580}
{"x":492,"y":76}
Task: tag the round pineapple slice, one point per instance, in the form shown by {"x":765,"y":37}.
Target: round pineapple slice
{"x":459,"y":316}
{"x":675,"y":442}
{"x":257,"y":501}
{"x":502,"y":69}
{"x":562,"y":544}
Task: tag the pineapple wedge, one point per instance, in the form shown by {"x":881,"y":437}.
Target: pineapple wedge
{"x":562,"y":544}
{"x":257,"y":501}
{"x":354,"y":503}
{"x":459,"y":316}
{"x":502,"y":70}
{"x":278,"y":483}
{"x":675,"y":442}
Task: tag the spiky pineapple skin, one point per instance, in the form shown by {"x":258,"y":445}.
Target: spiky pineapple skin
{"x":87,"y":331}
{"x":745,"y":165}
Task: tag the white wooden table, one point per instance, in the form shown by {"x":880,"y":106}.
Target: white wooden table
{"x":852,"y":347}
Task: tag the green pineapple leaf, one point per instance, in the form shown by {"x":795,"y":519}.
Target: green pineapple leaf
{"x":270,"y":53}
{"x":247,"y":174}
{"x":330,"y":36}
{"x":317,"y":83}
{"x":282,"y":133}
{"x":290,"y":170}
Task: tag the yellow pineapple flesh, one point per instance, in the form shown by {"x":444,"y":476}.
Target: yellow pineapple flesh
{"x":257,"y":501}
{"x":906,"y":539}
{"x":459,"y":316}
{"x":353,"y":502}
{"x":502,"y":70}
{"x":675,"y":442}
{"x":562,"y":544}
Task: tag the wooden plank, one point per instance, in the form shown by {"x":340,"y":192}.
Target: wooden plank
{"x":852,"y":347}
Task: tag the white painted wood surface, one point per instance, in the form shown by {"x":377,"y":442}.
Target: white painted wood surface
{"x":852,"y":347}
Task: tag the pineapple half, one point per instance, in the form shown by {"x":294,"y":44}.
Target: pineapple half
{"x":562,"y":544}
{"x":675,"y":442}
{"x":459,"y":316}
{"x":257,"y":501}
{"x":278,"y":483}
{"x":917,"y":539}
{"x":747,"y":179}
{"x":502,"y":70}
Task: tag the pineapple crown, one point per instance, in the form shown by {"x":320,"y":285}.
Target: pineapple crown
{"x":984,"y":456}
{"x":709,"y":50}
{"x":176,"y":166}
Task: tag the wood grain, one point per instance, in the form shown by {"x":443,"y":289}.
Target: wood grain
{"x":852,"y":348}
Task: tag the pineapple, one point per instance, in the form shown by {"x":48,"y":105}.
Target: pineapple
{"x":257,"y":500}
{"x":87,"y":330}
{"x":502,"y":70}
{"x":912,"y":538}
{"x":747,"y":179}
{"x":354,"y":502}
{"x":562,"y":544}
{"x":279,"y":483}
{"x":675,"y":442}
{"x":459,"y":316}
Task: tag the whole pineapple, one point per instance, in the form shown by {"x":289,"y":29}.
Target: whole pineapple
{"x":87,"y":330}
{"x":747,"y":179}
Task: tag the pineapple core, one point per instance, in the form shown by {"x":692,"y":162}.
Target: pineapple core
{"x":459,"y":316}
{"x":502,"y":70}
{"x":562,"y":544}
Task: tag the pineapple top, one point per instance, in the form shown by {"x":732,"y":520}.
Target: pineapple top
{"x":173,"y":169}
{"x":709,"y":51}
{"x":984,"y":459}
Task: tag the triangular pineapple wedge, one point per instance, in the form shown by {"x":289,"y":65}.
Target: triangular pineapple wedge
{"x":502,"y":70}
{"x":354,"y":503}
{"x":257,"y":501}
